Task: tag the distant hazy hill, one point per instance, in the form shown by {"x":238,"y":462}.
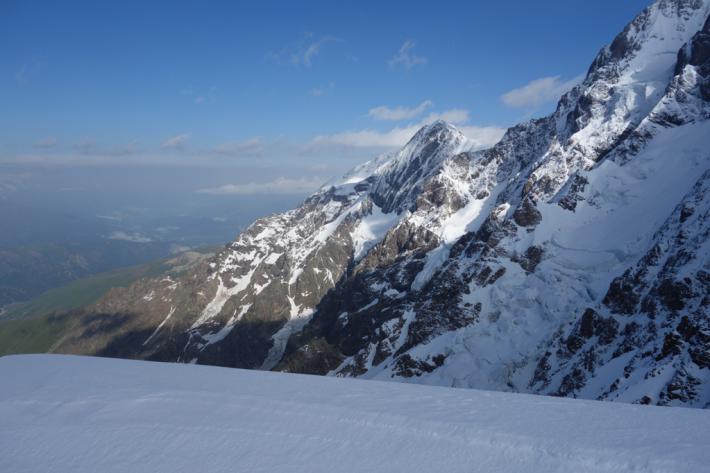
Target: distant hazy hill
{"x":35,"y":326}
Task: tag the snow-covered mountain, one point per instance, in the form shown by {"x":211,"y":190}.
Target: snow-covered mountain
{"x":571,"y":258}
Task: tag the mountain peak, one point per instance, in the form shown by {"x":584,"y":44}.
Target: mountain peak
{"x":403,"y":174}
{"x":438,"y":125}
{"x":438,"y":129}
{"x":659,"y":30}
{"x":625,"y":82}
{"x":399,"y":174}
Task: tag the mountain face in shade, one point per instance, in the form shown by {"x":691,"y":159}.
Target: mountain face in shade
{"x":571,"y":258}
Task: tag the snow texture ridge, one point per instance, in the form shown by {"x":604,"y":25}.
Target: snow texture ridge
{"x":83,"y":415}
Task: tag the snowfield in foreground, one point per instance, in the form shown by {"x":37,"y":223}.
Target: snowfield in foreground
{"x":75,"y":414}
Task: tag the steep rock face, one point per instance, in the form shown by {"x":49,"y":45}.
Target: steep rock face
{"x":570,"y":259}
{"x":566,"y":205}
{"x":398,"y":182}
{"x":653,"y":320}
{"x":240,"y":308}
{"x":649,"y":338}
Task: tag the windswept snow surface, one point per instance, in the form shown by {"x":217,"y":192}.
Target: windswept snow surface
{"x":74,"y":414}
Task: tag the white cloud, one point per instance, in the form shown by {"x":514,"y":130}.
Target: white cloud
{"x":132,"y":237}
{"x":21,"y":75}
{"x":393,"y":138}
{"x":321,"y":91}
{"x":251,"y":148}
{"x":399,"y":113}
{"x":484,"y":136}
{"x":114,"y":217}
{"x":200,"y":96}
{"x":281,"y":185}
{"x":10,"y":182}
{"x":455,"y":116}
{"x":399,"y":136}
{"x":29,"y":70}
{"x":539,"y":91}
{"x":406,"y":57}
{"x":305,"y":55}
{"x":48,"y":142}
{"x":177,"y":141}
{"x":90,"y":148}
{"x":348,"y":145}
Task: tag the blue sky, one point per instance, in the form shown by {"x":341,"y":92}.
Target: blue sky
{"x":297,"y":91}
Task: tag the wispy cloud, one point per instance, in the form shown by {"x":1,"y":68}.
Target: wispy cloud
{"x":46,"y":143}
{"x":539,"y":91}
{"x":320,"y":155}
{"x":21,"y":75}
{"x":305,"y":55}
{"x":399,"y":135}
{"x":304,"y":52}
{"x":174,"y":151}
{"x":367,"y":138}
{"x":455,"y":116}
{"x":200,"y":96}
{"x":10,"y":182}
{"x":406,"y":57}
{"x":176,"y":142}
{"x":483,"y":136}
{"x":252,"y":147}
{"x":134,"y":237}
{"x":321,"y":91}
{"x":90,"y":148}
{"x":399,"y":113}
{"x":281,"y":185}
{"x":25,"y":73}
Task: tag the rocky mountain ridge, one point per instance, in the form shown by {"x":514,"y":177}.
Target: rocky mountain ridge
{"x":571,"y":258}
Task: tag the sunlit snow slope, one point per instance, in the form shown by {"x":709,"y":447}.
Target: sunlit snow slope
{"x":74,"y":414}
